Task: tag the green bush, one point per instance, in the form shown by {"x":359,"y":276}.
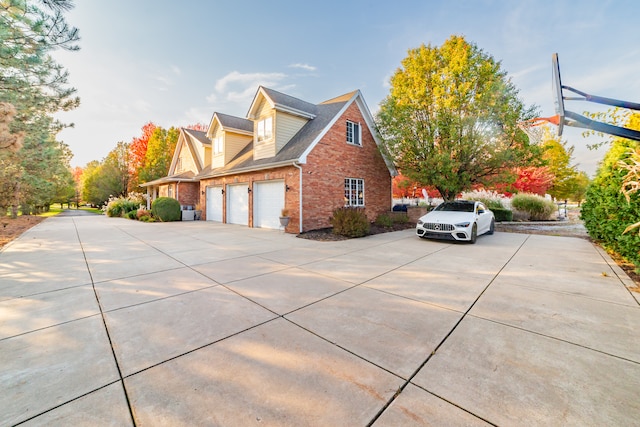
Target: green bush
{"x":350,"y":222}
{"x":131,"y":215}
{"x":146,"y":218}
{"x":502,"y":214}
{"x":166,"y":209}
{"x":121,"y":206}
{"x":400,"y":218}
{"x":537,"y":207}
{"x":384,"y":220}
{"x":606,"y":213}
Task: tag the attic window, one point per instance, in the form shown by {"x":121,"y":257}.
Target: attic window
{"x":353,"y":133}
{"x":265,"y":129}
{"x":218,"y":145}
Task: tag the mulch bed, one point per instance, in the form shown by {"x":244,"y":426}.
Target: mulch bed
{"x":11,"y":228}
{"x":326,"y":234}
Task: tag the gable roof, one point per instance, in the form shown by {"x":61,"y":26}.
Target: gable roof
{"x":232,"y":123}
{"x":296,"y":150}
{"x":281,"y":102}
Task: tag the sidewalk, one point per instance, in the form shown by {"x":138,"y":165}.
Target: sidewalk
{"x":115,"y":322}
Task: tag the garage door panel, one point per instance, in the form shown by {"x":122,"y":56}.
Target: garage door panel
{"x":214,"y":204}
{"x":268,"y":201}
{"x":238,"y":204}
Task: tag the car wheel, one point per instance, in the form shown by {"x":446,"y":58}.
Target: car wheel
{"x":492,"y":227}
{"x":474,"y":233}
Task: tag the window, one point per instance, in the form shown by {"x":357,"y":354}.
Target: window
{"x":353,"y":133}
{"x":353,"y":192}
{"x":265,"y":129}
{"x":218,"y":145}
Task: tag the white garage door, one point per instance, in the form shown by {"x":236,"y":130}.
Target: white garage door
{"x":238,"y":204}
{"x":214,"y":204}
{"x":268,"y":201}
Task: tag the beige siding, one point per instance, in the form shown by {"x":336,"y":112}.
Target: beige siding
{"x":186,"y":162}
{"x":217,"y":160}
{"x":286,"y":126}
{"x":233,"y":144}
{"x":207,"y":156}
{"x":264,"y":149}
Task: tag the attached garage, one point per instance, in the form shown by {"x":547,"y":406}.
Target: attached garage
{"x":214,"y":203}
{"x":268,"y":201}
{"x":238,"y":204}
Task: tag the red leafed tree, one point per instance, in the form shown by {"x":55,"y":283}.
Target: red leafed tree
{"x":403,"y":187}
{"x":529,"y":179}
{"x":199,"y":126}
{"x":137,"y":153}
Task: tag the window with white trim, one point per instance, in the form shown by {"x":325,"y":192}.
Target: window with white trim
{"x":354,"y":135}
{"x":218,"y":145}
{"x":265,"y":129}
{"x":353,"y":192}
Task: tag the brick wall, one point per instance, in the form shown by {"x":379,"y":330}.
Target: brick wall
{"x":333,"y":160}
{"x":188,"y":193}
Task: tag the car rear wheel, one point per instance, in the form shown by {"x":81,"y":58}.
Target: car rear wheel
{"x":474,"y":233}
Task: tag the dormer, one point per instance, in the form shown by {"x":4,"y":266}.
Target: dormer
{"x":228,"y":135}
{"x":276,"y":119}
{"x":190,"y":152}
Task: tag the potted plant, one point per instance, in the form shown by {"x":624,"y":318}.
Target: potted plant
{"x":198,"y":213}
{"x":284,"y":217}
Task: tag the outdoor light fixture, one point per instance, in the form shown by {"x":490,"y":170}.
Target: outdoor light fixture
{"x":287,"y":188}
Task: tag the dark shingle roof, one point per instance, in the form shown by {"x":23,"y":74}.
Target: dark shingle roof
{"x":200,"y":136}
{"x":233,"y":122}
{"x":282,"y":99}
{"x":299,"y":143}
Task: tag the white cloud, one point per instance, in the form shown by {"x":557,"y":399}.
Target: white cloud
{"x":238,"y":88}
{"x":303,"y":66}
{"x":176,"y":70}
{"x":236,"y":79}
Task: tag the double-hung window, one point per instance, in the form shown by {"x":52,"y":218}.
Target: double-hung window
{"x":353,"y":192}
{"x":265,"y":129}
{"x":354,"y":136}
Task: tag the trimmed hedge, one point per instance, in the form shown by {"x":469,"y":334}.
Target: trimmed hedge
{"x":166,"y":209}
{"x":502,"y":214}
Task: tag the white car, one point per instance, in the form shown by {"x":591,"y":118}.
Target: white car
{"x":458,"y":220}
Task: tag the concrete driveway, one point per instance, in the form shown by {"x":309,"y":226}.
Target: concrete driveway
{"x":114,"y":322}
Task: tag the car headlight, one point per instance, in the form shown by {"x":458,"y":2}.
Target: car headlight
{"x":420,"y":222}
{"x":463,"y":224}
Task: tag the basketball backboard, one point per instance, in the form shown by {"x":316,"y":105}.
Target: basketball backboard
{"x":558,"y":98}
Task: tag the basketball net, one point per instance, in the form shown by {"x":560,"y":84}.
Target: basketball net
{"x":531,"y":129}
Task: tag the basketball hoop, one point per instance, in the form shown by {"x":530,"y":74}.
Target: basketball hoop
{"x":530,"y":127}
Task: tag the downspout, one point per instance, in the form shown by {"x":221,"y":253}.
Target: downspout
{"x":295,"y":164}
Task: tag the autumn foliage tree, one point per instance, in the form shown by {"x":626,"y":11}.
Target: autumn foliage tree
{"x":137,"y":154}
{"x":450,"y":119}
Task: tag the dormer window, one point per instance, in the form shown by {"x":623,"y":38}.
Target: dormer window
{"x":265,"y":129}
{"x":218,"y":145}
{"x":353,"y":134}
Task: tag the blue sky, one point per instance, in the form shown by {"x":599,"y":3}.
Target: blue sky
{"x":176,"y":63}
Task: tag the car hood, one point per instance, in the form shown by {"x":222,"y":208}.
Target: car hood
{"x":448,"y":217}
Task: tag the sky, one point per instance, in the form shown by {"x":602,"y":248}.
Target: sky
{"x":176,"y":63}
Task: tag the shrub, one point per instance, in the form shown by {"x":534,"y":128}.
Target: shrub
{"x":142,"y":212}
{"x":400,"y":218}
{"x":491,"y":199}
{"x":350,"y":222}
{"x":146,"y":218}
{"x":131,"y":215}
{"x":538,"y":208}
{"x":502,"y":214}
{"x":166,"y":209}
{"x":606,"y":213}
{"x":384,"y":220}
{"x":121,"y":206}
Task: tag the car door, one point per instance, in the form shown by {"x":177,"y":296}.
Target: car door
{"x":484,"y":218}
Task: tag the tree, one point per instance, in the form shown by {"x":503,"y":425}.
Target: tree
{"x":137,"y":154}
{"x":557,"y":156}
{"x":450,"y":119}
{"x":162,"y":144}
{"x":580,"y":188}
{"x":36,"y":87}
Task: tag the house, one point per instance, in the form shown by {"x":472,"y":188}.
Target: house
{"x":287,"y":153}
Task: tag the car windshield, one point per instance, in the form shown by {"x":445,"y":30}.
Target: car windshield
{"x":455,"y":207}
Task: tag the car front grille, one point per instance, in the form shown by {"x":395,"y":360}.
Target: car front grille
{"x":435,"y":226}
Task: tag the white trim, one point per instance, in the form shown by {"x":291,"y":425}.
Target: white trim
{"x":297,"y":166}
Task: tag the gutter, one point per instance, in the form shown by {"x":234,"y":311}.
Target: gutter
{"x":297,"y":166}
{"x":250,"y":169}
